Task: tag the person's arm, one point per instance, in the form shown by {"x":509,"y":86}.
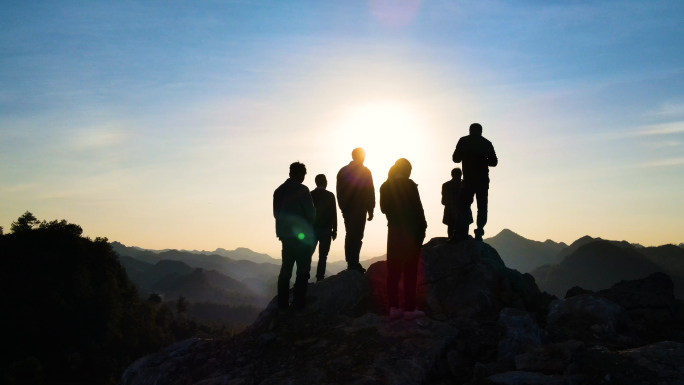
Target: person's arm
{"x":307,"y":205}
{"x":276,"y":203}
{"x":383,"y":199}
{"x":458,"y":153}
{"x":420,"y":212}
{"x":340,"y":189}
{"x":492,"y":160}
{"x":371,"y":196}
{"x":333,"y":212}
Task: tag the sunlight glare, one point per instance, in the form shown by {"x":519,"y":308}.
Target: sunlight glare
{"x":387,"y":130}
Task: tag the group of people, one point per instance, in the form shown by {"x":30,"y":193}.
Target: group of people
{"x":305,"y":219}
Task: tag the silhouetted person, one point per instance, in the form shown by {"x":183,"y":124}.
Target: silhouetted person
{"x":400,"y":202}
{"x":294,"y":213}
{"x":451,"y":194}
{"x":325,"y":226}
{"x":477,"y":155}
{"x":356,"y":197}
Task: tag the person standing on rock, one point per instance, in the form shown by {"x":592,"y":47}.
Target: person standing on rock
{"x":406,"y":225}
{"x":451,"y":193}
{"x":477,"y":155}
{"x":294,"y":213}
{"x":356,"y":197}
{"x":325,"y":226}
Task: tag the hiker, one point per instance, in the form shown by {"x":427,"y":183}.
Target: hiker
{"x":294,"y":213}
{"x":406,"y":225}
{"x":356,"y":197}
{"x":476,"y":155}
{"x":325,"y":225}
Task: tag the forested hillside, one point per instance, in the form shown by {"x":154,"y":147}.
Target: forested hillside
{"x":72,"y":316}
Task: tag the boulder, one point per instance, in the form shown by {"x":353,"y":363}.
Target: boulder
{"x":525,"y":378}
{"x":346,"y":293}
{"x":653,"y":293}
{"x":521,"y":333}
{"x":575,"y":291}
{"x":664,"y":358}
{"x":659,"y":363}
{"x":469,"y":279}
{"x":650,"y":302}
{"x":549,"y":359}
{"x":587,"y":317}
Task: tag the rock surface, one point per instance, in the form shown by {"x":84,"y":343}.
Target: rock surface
{"x":586,"y":316}
{"x":486,"y":324}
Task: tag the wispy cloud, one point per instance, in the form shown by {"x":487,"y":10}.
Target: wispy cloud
{"x":662,"y":129}
{"x":664,"y":144}
{"x":669,"y":110}
{"x":665,"y":162}
{"x":98,"y":137}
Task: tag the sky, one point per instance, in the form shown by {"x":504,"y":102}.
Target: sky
{"x":170,"y":124}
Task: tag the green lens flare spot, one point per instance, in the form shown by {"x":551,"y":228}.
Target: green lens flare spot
{"x":300,"y":236}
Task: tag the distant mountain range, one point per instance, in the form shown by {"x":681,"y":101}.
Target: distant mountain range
{"x":591,"y":263}
{"x":243,"y":276}
{"x":595,"y":266}
{"x":524,"y":254}
{"x":149,"y":255}
{"x":235,"y":277}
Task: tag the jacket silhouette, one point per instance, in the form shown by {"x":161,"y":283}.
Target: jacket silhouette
{"x":477,"y":155}
{"x":355,"y":190}
{"x":293,"y":210}
{"x":356,"y":197}
{"x":325,"y":226}
{"x":451,"y":192}
{"x":326,"y":210}
{"x":400,"y":202}
{"x":406,"y":225}
{"x":294,"y":213}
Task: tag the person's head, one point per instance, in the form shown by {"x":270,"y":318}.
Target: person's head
{"x":297,"y":171}
{"x":392,"y":173}
{"x":456,"y":173}
{"x":403,"y":167}
{"x":321,"y":181}
{"x":359,"y":154}
{"x":476,"y":129}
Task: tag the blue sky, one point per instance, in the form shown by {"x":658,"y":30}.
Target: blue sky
{"x":169,"y":124}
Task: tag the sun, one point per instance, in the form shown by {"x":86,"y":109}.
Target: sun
{"x":387,"y":130}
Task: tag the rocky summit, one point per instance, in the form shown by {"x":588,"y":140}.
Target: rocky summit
{"x":485,"y":324}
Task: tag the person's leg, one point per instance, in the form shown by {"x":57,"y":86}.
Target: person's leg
{"x":288,"y":254}
{"x":324,"y":241}
{"x":464,"y":215}
{"x":411,"y":275}
{"x":303,"y":257}
{"x":355,"y":224}
{"x":394,"y":267}
{"x":482,"y":201}
{"x":450,"y":230}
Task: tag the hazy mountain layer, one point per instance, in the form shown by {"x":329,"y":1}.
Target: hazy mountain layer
{"x":524,"y":254}
{"x":586,"y":240}
{"x":207,"y":286}
{"x":595,"y":265}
